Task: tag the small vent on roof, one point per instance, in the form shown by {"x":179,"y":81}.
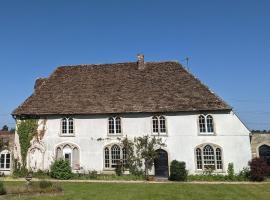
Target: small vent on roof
{"x":140,"y":61}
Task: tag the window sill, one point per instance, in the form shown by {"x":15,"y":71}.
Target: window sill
{"x":1,"y":169}
{"x":201,"y":171}
{"x":207,"y":134}
{"x":160,"y":134}
{"x":67,"y":135}
{"x":115,"y":135}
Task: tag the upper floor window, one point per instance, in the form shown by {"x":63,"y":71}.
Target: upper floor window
{"x":159,"y":125}
{"x":67,"y":125}
{"x":5,"y":159}
{"x":115,"y":125}
{"x":206,"y":124}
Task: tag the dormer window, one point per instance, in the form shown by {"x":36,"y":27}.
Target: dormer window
{"x":67,"y":126}
{"x":206,"y":124}
{"x":115,"y":125}
{"x":159,"y":125}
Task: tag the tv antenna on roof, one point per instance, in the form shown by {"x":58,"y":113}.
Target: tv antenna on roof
{"x":186,"y":62}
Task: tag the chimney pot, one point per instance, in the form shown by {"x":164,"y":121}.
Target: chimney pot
{"x":140,"y":61}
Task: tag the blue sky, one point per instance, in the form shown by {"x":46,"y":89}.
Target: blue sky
{"x":228,"y":43}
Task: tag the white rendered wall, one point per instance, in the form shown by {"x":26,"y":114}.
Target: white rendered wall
{"x":181,"y":139}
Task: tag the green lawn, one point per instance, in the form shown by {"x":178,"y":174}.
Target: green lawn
{"x":141,"y":191}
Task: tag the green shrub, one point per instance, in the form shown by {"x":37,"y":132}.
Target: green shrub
{"x":230,"y":172}
{"x":178,"y":171}
{"x":2,"y":189}
{"x":119,"y":169}
{"x":45,"y":184}
{"x":41,"y":174}
{"x":61,"y":169}
{"x":93,"y":174}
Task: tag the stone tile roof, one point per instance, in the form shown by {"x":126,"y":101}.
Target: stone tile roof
{"x":120,"y":88}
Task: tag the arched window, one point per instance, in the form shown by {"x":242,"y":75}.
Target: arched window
{"x":206,"y":124}
{"x":5,"y":160}
{"x":264,"y":152}
{"x":202,"y":124}
{"x":67,"y":126}
{"x":210,"y":125}
{"x":209,"y":157}
{"x":113,"y":155}
{"x":115,"y":125}
{"x":107,"y":157}
{"x":159,"y":125}
{"x":69,"y":152}
{"x":199,"y":158}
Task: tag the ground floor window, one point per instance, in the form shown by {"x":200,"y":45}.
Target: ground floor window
{"x":113,"y":155}
{"x":5,"y":160}
{"x":209,"y":157}
{"x":70,"y":153}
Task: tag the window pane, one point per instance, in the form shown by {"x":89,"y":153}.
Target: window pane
{"x":155,"y":124}
{"x":2,"y":161}
{"x":68,"y":157}
{"x":115,"y":153}
{"x":210,"y":126}
{"x":107,"y":157}
{"x":162,"y":124}
{"x":208,"y":157}
{"x":64,"y":126}
{"x":111,"y":125}
{"x":118,"y":125}
{"x":202,"y":124}
{"x":70,"y":126}
{"x":219,"y":158}
{"x":7,"y":161}
{"x":58,"y":153}
{"x":199,"y":158}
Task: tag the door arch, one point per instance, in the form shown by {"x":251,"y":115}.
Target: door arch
{"x":264,"y":152}
{"x":161,"y":163}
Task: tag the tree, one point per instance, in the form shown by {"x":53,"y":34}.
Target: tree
{"x":142,"y":152}
{"x":5,"y":128}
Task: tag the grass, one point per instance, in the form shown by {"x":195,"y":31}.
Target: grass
{"x":141,"y":191}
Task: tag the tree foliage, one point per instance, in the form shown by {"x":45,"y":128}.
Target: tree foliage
{"x":4,"y":128}
{"x":61,"y":169}
{"x":141,"y":153}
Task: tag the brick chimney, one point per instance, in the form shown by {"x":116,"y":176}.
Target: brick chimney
{"x":140,"y":61}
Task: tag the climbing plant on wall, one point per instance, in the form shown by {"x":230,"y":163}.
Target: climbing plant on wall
{"x":27,"y":130}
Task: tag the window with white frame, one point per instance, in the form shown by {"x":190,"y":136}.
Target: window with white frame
{"x":158,"y":125}
{"x":209,"y":157}
{"x":5,"y":160}
{"x":114,"y":125}
{"x":206,"y":124}
{"x":114,"y":155}
{"x":67,"y":126}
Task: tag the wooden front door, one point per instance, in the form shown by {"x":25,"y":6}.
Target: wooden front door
{"x":161,"y":164}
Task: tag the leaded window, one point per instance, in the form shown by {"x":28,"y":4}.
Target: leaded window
{"x":115,"y":125}
{"x":5,"y":160}
{"x":107,"y":157}
{"x":114,"y":155}
{"x":199,"y":158}
{"x":206,"y":124}
{"x":209,"y":157}
{"x":67,"y":126}
{"x":158,"y":125}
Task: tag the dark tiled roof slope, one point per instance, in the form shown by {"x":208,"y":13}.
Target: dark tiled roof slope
{"x":120,"y":88}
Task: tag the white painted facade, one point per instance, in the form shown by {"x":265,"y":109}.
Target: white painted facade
{"x":181,"y":139}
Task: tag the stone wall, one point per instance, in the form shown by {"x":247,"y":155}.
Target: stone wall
{"x":258,"y":139}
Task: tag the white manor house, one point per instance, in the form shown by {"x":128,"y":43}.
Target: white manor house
{"x":83,"y":110}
